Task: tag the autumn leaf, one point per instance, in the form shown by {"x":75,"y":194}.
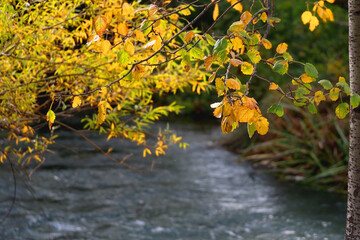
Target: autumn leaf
{"x":129,"y":48}
{"x":318,"y":97}
{"x":123,"y":29}
{"x":101,"y":112}
{"x":247,"y":68}
{"x":76,"y":102}
{"x":105,"y":47}
{"x":238,"y":45}
{"x":254,"y":55}
{"x":273,"y":86}
{"x":342,"y":110}
{"x":281,"y":48}
{"x":235,"y":62}
{"x":218,"y":112}
{"x":314,"y":22}
{"x":100,"y":24}
{"x":262,"y":125}
{"x":266,"y":43}
{"x":216,"y":12}
{"x":233,"y":84}
{"x":189,"y":36}
{"x":306,"y":78}
{"x":334,"y":94}
{"x":208,"y":62}
{"x":152,"y":9}
{"x":306,"y":16}
{"x":50,"y":117}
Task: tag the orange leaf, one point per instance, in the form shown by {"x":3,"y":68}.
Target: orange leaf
{"x":233,"y":84}
{"x":218,"y":112}
{"x":208,"y":62}
{"x":189,"y":36}
{"x":281,"y":48}
{"x":273,"y":86}
{"x":100,"y":24}
{"x":306,"y":78}
{"x":216,"y":12}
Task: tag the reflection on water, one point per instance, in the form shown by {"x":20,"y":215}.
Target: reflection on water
{"x":200,"y":193}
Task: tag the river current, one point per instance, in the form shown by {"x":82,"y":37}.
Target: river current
{"x":194,"y":194}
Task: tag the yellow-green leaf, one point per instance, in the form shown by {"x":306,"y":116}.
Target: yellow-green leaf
{"x":342,"y":110}
{"x":50,"y":117}
{"x":247,"y":68}
{"x":334,"y":94}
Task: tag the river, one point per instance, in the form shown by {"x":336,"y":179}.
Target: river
{"x":198,"y":193}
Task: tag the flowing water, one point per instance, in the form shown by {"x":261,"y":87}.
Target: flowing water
{"x":199,"y":193}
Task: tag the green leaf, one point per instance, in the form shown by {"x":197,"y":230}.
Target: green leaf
{"x":355,"y":100}
{"x":123,"y":57}
{"x":276,"y":109}
{"x":220,"y":46}
{"x":312,"y":109}
{"x":145,"y":27}
{"x":344,"y":86}
{"x":281,"y":67}
{"x":311,"y":70}
{"x":342,"y":110}
{"x":326,"y":84}
{"x":251,"y":129}
{"x":210,"y":39}
{"x":196,"y":53}
{"x":300,"y":92}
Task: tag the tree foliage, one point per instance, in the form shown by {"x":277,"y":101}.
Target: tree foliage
{"x":114,"y":58}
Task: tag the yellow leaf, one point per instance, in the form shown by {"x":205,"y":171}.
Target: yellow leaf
{"x":244,"y":114}
{"x":281,"y":48}
{"x":189,"y":36}
{"x":101,"y":112}
{"x":334,"y":94}
{"x":146,"y":151}
{"x":218,"y":112}
{"x":238,"y":44}
{"x":266,"y":43}
{"x":105,"y":46}
{"x":247,"y":68}
{"x":263,"y":17}
{"x":129,"y":48}
{"x":314,"y":22}
{"x":306,"y":78}
{"x":139,"y":36}
{"x":238,"y":7}
{"x":123,"y":29}
{"x":262,"y":125}
{"x":76,"y":102}
{"x":306,"y":16}
{"x":330,"y":14}
{"x":318,"y":97}
{"x":216,"y":12}
{"x":246,"y":17}
{"x":100,"y":25}
{"x":233,"y":84}
{"x":321,"y":3}
{"x":103,"y":92}
{"x":235,"y":62}
{"x":330,"y":1}
{"x":273,"y":86}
